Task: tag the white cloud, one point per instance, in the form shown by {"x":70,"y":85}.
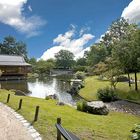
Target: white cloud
{"x":67,"y":41}
{"x":132,"y":12}
{"x":30,"y":8}
{"x":11,"y":13}
{"x":83,"y":30}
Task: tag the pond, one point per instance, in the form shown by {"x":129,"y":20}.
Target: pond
{"x":43,"y":87}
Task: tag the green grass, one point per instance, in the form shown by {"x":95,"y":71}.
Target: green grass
{"x":92,"y":84}
{"x":115,"y":126}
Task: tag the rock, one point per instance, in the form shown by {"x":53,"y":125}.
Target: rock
{"x":97,"y":107}
{"x":54,"y":96}
{"x":19,"y":93}
{"x":73,"y":91}
{"x":60,"y":103}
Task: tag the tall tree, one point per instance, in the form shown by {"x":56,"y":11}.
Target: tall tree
{"x":81,"y":61}
{"x":12,"y":47}
{"x":96,"y":54}
{"x":43,"y":67}
{"x":127,"y":53}
{"x":64,"y":59}
{"x":116,"y":31}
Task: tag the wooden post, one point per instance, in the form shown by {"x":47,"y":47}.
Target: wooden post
{"x":8,"y":98}
{"x":20,"y":104}
{"x":36,"y":113}
{"x":58,"y":132}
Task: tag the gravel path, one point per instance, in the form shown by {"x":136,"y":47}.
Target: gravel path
{"x":124,"y":106}
{"x":10,"y":127}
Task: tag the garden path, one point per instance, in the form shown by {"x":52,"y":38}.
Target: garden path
{"x":10,"y":127}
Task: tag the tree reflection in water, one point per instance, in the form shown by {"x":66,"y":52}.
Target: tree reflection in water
{"x":42,"y":87}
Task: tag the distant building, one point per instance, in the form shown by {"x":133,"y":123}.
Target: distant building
{"x":14,"y":66}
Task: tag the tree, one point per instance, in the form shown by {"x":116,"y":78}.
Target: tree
{"x":33,"y":63}
{"x":12,"y":47}
{"x":81,"y":61}
{"x":44,"y":67}
{"x":127,"y":53}
{"x":64,"y":59}
{"x":100,"y":68}
{"x":96,"y":54}
{"x":116,"y":31}
{"x":112,"y":71}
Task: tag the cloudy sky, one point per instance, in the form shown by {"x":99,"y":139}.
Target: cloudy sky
{"x":51,"y":25}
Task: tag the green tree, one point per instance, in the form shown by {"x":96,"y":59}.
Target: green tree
{"x":33,"y":63}
{"x":81,"y":61}
{"x":64,"y":59}
{"x":127,"y":53}
{"x":116,"y":31}
{"x":44,"y":67}
{"x":96,"y":54}
{"x":12,"y":47}
{"x":113,"y":71}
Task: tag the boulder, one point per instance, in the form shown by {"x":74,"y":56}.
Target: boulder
{"x":60,"y":103}
{"x":19,"y":93}
{"x":54,"y":96}
{"x":97,"y":107}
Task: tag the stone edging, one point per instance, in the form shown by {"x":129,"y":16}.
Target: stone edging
{"x":35,"y":135}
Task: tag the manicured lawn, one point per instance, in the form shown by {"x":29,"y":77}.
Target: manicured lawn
{"x":92,"y":84}
{"x":115,"y":126}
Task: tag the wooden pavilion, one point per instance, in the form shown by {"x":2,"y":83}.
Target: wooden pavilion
{"x":13,"y":67}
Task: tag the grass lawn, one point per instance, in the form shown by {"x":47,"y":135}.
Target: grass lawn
{"x":115,"y":126}
{"x":92,"y":84}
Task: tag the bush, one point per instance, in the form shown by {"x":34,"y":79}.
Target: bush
{"x":136,"y":132}
{"x":107,"y":95}
{"x":47,"y":98}
{"x":82,"y":105}
{"x":80,"y":75}
{"x":79,"y":68}
{"x":122,"y":79}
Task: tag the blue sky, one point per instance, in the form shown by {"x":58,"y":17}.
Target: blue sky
{"x":60,"y":24}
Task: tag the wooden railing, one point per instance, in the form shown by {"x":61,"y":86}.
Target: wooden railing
{"x":61,"y":131}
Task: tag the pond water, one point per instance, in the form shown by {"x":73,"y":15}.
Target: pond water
{"x":43,"y":87}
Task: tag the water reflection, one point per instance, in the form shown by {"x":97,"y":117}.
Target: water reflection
{"x":42,"y":87}
{"x":18,"y":85}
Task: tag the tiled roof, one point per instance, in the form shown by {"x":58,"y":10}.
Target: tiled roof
{"x":9,"y":60}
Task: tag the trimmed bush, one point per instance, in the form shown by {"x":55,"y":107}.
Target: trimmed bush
{"x":82,"y":105}
{"x":136,"y":132}
{"x":107,"y":95}
{"x":80,"y":75}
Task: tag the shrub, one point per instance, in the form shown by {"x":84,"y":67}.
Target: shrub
{"x":47,"y":97}
{"x":79,"y":68}
{"x":136,"y":132}
{"x":122,"y":79}
{"x":82,"y":105}
{"x":80,"y":75}
{"x":107,"y":95}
